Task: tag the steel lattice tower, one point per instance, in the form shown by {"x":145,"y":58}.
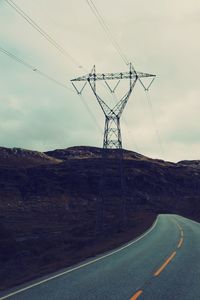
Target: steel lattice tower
{"x":112,"y":132}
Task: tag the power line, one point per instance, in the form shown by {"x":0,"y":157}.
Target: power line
{"x":41,"y":31}
{"x":90,"y":113}
{"x":132,"y":136}
{"x":107,"y":30}
{"x":117,"y":47}
{"x":55,"y":44}
{"x":110,"y":36}
{"x":60,"y":48}
{"x":154,"y":121}
{"x":33,"y":68}
{"x":36,"y":70}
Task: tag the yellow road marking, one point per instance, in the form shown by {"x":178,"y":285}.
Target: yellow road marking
{"x":165,"y":264}
{"x":180,"y":242}
{"x":136,"y":295}
{"x":179,"y":226}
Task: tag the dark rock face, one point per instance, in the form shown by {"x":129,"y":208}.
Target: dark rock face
{"x":48,"y":202}
{"x":190,"y":163}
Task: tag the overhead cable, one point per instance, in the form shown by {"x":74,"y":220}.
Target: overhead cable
{"x":107,"y":30}
{"x":36,"y":70}
{"x":41,"y":31}
{"x":91,"y":113}
{"x":131,"y":135}
{"x":154,"y":121}
{"x":33,"y":68}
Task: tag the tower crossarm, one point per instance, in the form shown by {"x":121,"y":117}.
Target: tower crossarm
{"x":112,"y":131}
{"x":112,"y":76}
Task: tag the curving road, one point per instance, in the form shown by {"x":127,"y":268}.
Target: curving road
{"x":162,"y":264}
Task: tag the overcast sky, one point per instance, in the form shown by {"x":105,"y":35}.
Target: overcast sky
{"x":159,"y":37}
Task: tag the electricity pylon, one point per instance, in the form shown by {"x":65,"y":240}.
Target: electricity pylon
{"x":112,"y":132}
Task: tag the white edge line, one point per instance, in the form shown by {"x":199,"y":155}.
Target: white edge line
{"x":195,"y":222}
{"x":83,"y":265}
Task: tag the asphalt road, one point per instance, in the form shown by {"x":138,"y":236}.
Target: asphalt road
{"x":162,"y":264}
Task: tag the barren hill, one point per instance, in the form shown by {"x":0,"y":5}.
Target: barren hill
{"x":17,"y":157}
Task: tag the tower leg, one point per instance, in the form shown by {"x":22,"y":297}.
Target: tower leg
{"x":105,"y":139}
{"x":112,"y":133}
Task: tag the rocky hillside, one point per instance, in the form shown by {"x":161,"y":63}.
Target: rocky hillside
{"x":49,"y":203}
{"x":17,"y":157}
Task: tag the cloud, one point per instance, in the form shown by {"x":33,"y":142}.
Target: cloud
{"x":159,"y":37}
